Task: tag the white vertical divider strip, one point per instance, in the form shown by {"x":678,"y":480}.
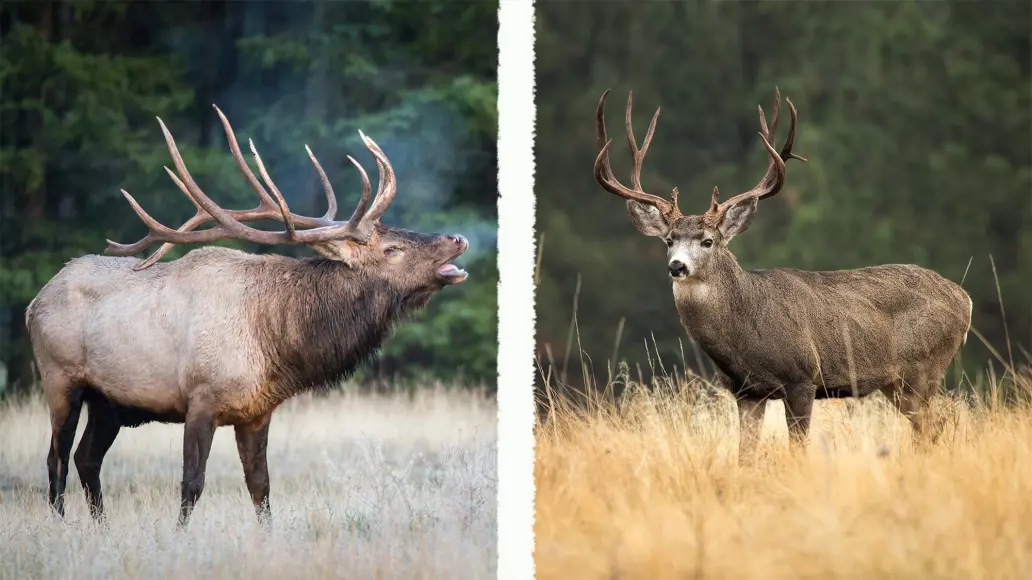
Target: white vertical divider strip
{"x":516,"y":290}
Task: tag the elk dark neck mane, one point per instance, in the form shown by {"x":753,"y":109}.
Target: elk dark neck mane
{"x":317,"y":320}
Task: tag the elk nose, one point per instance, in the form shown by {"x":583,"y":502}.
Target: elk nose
{"x":459,"y":240}
{"x":677,"y":269}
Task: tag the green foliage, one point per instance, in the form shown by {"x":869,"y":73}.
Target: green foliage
{"x":77,"y":119}
{"x":915,"y":118}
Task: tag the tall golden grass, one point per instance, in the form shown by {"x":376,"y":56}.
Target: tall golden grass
{"x":652,"y":488}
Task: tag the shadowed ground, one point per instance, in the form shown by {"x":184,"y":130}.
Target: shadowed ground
{"x":361,"y":487}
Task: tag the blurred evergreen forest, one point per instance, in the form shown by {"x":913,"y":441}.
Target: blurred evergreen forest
{"x":82,"y":83}
{"x":916,"y":118}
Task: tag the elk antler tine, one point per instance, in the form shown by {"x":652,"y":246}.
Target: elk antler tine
{"x":363,"y":203}
{"x":331,"y":198}
{"x":182,"y":187}
{"x":238,"y":156}
{"x":280,"y":201}
{"x":389,"y":186}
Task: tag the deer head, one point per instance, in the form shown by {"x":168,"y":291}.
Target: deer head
{"x":409,"y":259}
{"x":692,"y":240}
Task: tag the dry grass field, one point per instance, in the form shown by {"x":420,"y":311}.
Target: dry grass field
{"x":362,"y":487}
{"x":653,"y":490}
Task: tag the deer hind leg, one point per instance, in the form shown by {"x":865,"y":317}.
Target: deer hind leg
{"x":912,"y":396}
{"x":252,"y":440}
{"x":102,"y":426}
{"x":750,"y":421}
{"x":798,"y":411}
{"x":65,"y":401}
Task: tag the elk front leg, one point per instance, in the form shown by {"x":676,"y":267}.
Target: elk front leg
{"x":102,"y":427}
{"x":750,"y":420}
{"x":252,"y":440}
{"x":197,"y":435}
{"x":798,"y":410}
{"x":64,"y":418}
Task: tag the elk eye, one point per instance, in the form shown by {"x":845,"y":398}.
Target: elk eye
{"x":707,"y":243}
{"x":391,"y":250}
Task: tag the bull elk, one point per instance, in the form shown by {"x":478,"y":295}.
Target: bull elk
{"x":791,"y":334}
{"x":222,"y":337}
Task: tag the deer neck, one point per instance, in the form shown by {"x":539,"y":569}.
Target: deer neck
{"x":707,"y":305}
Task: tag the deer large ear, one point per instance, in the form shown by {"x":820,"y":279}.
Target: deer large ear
{"x":647,"y":219}
{"x":738,"y":217}
{"x":338,"y":251}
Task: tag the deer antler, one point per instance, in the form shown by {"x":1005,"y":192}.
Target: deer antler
{"x":604,"y":172}
{"x":774,"y":179}
{"x":229,"y":222}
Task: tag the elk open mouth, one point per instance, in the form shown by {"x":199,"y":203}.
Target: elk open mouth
{"x":451,"y":274}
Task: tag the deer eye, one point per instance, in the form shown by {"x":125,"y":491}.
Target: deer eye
{"x":391,"y":250}
{"x":707,"y":243}
{"x":669,"y":242}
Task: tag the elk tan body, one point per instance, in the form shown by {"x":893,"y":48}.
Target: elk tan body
{"x":792,"y":334}
{"x":219,"y":336}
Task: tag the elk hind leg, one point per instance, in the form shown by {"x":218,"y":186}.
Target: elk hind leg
{"x":65,"y":401}
{"x":252,"y":441}
{"x":102,"y":426}
{"x":198,"y":432}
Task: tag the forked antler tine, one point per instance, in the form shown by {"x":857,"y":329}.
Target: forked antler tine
{"x":388,"y":184}
{"x":765,"y":188}
{"x":637,"y":155}
{"x":280,"y":201}
{"x":367,"y":189}
{"x":613,"y":186}
{"x":603,"y":171}
{"x":331,"y":198}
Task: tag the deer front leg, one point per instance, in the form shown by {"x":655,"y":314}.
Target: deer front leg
{"x":252,"y":440}
{"x":798,"y":410}
{"x":750,"y":420}
{"x":197,"y":435}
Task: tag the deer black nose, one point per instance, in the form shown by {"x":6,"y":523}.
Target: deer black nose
{"x":677,"y":269}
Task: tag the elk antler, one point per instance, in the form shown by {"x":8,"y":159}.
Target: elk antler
{"x":229,"y":222}
{"x":774,"y":179}
{"x":604,"y":172}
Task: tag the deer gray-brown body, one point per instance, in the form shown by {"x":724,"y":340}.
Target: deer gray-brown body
{"x":792,"y":334}
{"x":222,"y":337}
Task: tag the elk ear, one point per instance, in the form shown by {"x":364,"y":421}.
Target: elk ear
{"x":738,"y":217}
{"x":647,"y":219}
{"x":338,"y":251}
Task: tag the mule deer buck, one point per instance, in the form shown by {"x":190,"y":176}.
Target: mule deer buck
{"x":222,"y":337}
{"x":792,"y":334}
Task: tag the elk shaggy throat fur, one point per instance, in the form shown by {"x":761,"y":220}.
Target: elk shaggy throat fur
{"x":219,"y":336}
{"x":792,"y":334}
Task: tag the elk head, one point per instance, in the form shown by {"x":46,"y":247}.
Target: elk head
{"x":692,"y":240}
{"x":412,"y":261}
